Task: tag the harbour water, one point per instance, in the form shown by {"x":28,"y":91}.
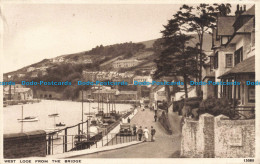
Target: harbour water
{"x":70,"y":113}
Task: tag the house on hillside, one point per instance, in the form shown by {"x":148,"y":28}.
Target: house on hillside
{"x":30,"y":69}
{"x":58,"y":60}
{"x":142,"y":79}
{"x":89,"y":76}
{"x":34,"y":74}
{"x":234,"y":56}
{"x":127,"y":63}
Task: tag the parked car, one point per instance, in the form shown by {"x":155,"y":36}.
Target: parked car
{"x":125,"y":130}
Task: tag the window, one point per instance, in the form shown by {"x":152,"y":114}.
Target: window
{"x":229,"y":60}
{"x":238,"y":55}
{"x":251,"y":93}
{"x":216,"y":61}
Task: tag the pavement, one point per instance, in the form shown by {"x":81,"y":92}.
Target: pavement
{"x":165,"y":145}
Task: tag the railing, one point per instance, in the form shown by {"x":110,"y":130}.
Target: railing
{"x":73,"y":143}
{"x":64,"y":140}
{"x":53,"y":139}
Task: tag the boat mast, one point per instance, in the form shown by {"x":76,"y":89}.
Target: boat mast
{"x":22,"y":119}
{"x":107,"y":103}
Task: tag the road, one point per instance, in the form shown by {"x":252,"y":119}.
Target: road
{"x":165,"y":146}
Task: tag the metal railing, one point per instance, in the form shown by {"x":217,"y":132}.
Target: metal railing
{"x":73,"y":143}
{"x":78,"y":137}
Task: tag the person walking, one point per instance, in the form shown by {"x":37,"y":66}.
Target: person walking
{"x":128,"y":120}
{"x":134,"y":130}
{"x":155,"y":117}
{"x":146,"y":134}
{"x":152,"y":134}
{"x":140,"y":133}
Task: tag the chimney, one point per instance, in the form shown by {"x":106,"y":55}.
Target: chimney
{"x":237,"y":11}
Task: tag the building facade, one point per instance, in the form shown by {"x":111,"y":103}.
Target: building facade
{"x":234,"y":57}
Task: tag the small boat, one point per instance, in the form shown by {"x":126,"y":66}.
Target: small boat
{"x":60,"y":124}
{"x":54,"y":115}
{"x":28,"y":119}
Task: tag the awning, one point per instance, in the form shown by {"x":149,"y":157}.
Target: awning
{"x":246,"y":66}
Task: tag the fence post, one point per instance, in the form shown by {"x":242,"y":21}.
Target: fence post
{"x":79,"y":137}
{"x":107,"y":139}
{"x":102,"y":141}
{"x":49,"y":144}
{"x":72,"y":142}
{"x":63,"y":144}
{"x":66,"y":139}
{"x":52,"y":144}
{"x":112,"y":139}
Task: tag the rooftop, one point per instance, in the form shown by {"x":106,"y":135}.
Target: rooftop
{"x":127,"y":92}
{"x":225,"y":25}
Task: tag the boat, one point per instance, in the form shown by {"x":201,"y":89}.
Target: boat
{"x":60,"y":124}
{"x":54,"y":115}
{"x":28,"y":119}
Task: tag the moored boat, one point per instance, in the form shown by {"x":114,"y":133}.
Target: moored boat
{"x":60,"y":124}
{"x":54,"y":115}
{"x":28,"y":119}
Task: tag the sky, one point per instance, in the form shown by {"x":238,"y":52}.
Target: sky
{"x":33,"y":32}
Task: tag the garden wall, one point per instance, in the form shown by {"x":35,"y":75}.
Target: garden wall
{"x":218,"y":137}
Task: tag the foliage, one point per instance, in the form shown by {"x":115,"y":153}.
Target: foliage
{"x":200,"y":20}
{"x":216,"y":106}
{"x":176,"y":58}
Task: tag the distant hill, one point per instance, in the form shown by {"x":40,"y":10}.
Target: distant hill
{"x":148,"y":43}
{"x":99,"y":58}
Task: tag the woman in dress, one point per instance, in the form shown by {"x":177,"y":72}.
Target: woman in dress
{"x":146,"y":134}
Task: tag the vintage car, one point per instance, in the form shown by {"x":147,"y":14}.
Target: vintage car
{"x":125,"y":130}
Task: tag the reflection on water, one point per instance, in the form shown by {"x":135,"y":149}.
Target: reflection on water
{"x":69,"y":114}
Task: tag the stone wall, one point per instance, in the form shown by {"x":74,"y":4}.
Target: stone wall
{"x":234,"y":138}
{"x":197,"y":136}
{"x":29,"y":144}
{"x":218,"y":137}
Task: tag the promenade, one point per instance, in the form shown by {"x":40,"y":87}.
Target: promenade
{"x":165,"y":146}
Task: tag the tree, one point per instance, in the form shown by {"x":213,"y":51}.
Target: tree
{"x":177,"y":58}
{"x":200,"y":19}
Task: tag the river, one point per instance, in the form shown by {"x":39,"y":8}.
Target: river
{"x":69,"y":114}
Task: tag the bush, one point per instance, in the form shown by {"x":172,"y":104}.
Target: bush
{"x":216,"y":107}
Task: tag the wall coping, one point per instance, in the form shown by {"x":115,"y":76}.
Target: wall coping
{"x":31,"y":134}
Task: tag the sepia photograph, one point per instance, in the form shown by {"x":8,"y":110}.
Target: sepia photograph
{"x":129,"y":80}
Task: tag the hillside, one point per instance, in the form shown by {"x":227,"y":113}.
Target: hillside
{"x":101,"y":58}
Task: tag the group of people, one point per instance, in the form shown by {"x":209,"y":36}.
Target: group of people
{"x":145,"y":133}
